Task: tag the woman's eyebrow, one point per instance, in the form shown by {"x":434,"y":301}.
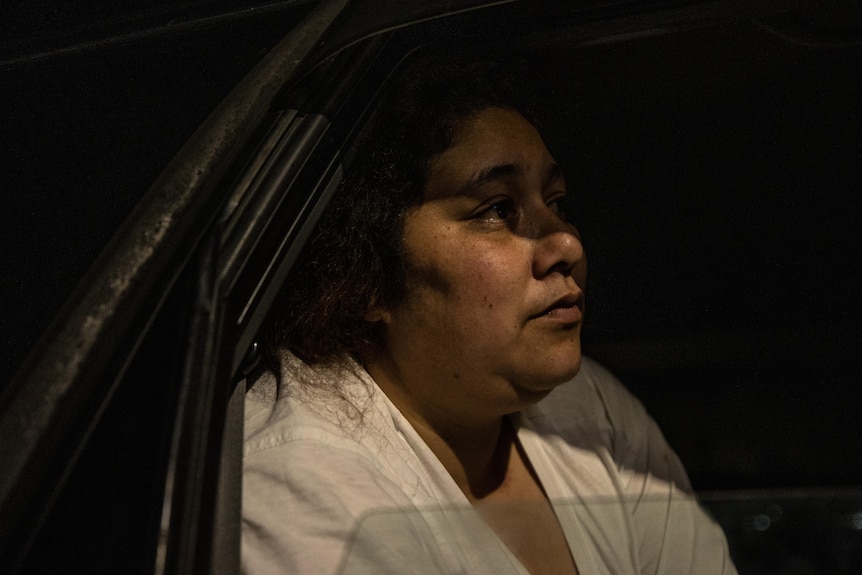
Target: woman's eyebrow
{"x":484,"y":176}
{"x":501,"y":172}
{"x":495,"y":173}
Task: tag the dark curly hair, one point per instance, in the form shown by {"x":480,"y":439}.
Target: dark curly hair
{"x":354,"y":260}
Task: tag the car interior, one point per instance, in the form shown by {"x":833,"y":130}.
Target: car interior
{"x":713,"y":151}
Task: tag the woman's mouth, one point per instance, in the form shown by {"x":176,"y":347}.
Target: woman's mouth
{"x":567,"y":309}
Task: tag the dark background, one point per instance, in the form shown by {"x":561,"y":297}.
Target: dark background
{"x":718,"y":174}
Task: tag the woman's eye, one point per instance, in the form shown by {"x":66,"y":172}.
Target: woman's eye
{"x":556,"y":206}
{"x":498,"y":211}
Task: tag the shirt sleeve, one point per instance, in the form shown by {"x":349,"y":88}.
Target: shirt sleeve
{"x":675,"y":534}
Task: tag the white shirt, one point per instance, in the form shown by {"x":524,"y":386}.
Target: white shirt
{"x":336,"y":480}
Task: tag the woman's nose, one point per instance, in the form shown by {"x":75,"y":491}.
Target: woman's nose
{"x":558,"y":250}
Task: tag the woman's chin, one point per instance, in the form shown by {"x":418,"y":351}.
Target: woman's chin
{"x":537,"y":386}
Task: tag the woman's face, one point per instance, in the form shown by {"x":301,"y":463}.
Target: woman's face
{"x":494,"y":303}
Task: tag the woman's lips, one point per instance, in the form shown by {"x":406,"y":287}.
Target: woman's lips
{"x":565,"y":314}
{"x":567,"y":309}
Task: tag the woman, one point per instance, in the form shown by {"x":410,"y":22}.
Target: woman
{"x":430,"y":409}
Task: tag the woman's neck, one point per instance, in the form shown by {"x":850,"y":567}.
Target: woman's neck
{"x":474,"y":448}
{"x":476,"y":458}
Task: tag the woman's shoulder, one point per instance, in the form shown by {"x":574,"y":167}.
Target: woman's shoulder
{"x":311,"y":425}
{"x":302,"y":405}
{"x":321,"y":448}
